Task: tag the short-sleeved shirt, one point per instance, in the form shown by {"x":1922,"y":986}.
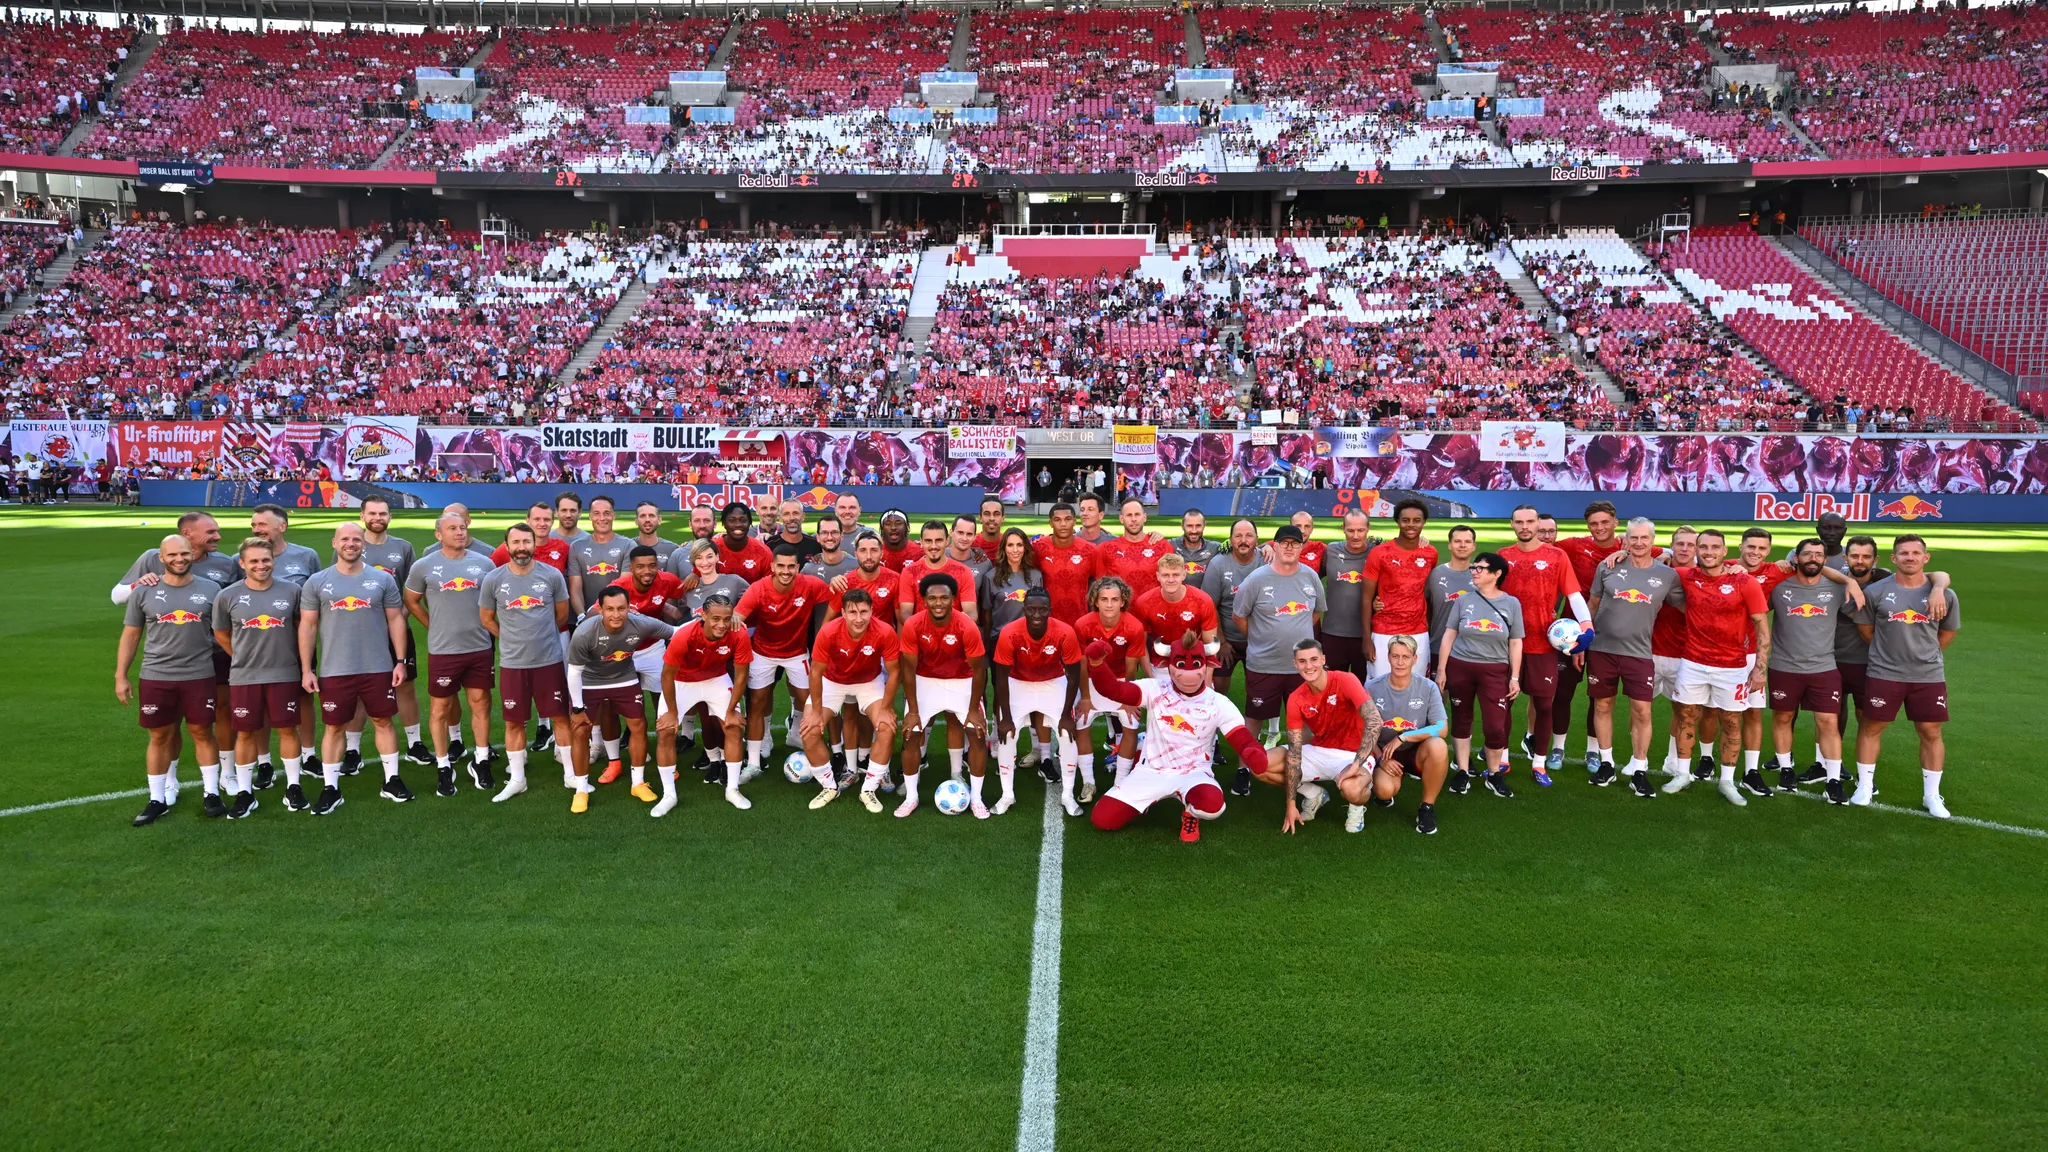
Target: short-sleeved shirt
{"x":1850,"y":646}
{"x":943,"y":650}
{"x":1404,"y":710}
{"x":1126,"y":638}
{"x":1767,"y":576}
{"x":1165,"y":620}
{"x":843,"y":658}
{"x":1279,"y":611}
{"x":730,"y":587}
{"x":606,"y":657}
{"x":1626,"y":601}
{"x":1225,"y":575}
{"x":1330,"y":716}
{"x":1344,"y":573}
{"x":1803,"y":619}
{"x":263,"y":626}
{"x":780,"y":618}
{"x":177,"y":629}
{"x":218,"y":567}
{"x":355,"y":635}
{"x":295,"y":564}
{"x":1718,"y":633}
{"x":1197,"y":557}
{"x":988,"y":547}
{"x":1905,"y":640}
{"x":1403,"y":576}
{"x":525,"y":606}
{"x":1538,"y":577}
{"x":696,"y":657}
{"x":652,"y":600}
{"x":1067,"y":573}
{"x":1006,"y":598}
{"x":1037,"y":659}
{"x":597,"y":564}
{"x":1312,"y":553}
{"x":880,"y":587}
{"x":750,"y":561}
{"x":1136,"y":561}
{"x":1446,"y":585}
{"x":394,"y":557}
{"x":1586,"y":553}
{"x":915,"y":571}
{"x":830,"y":570}
{"x":453,"y":591}
{"x":663,"y":548}
{"x":1484,"y":628}
{"x":806,"y":546}
{"x":895,"y":558}
{"x":553,"y":552}
{"x":1181,"y":731}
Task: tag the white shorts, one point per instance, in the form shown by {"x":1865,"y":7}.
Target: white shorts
{"x":1667,"y":676}
{"x":1143,"y":787}
{"x":938,"y":697}
{"x":562,"y":638}
{"x":1047,"y":698}
{"x":1723,"y":689}
{"x":832,"y":695}
{"x":1379,"y":652}
{"x":1319,"y":763}
{"x":715,"y":695}
{"x":1757,"y":701}
{"x":647,"y":662}
{"x":796,"y":669}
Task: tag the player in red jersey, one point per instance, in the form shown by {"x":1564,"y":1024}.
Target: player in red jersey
{"x":1332,"y":734}
{"x":990,"y":542}
{"x":655,"y":594}
{"x":1068,"y":564}
{"x":1602,"y":539}
{"x":933,"y":558}
{"x":1395,"y":586}
{"x":855,"y":658}
{"x":945,"y":673}
{"x":550,"y":550}
{"x":697,"y":673}
{"x":740,"y":554}
{"x":1173,"y":607}
{"x":1539,"y":575}
{"x":1108,"y":622}
{"x":869,"y":575}
{"x":1727,"y":623}
{"x":778,"y":613}
{"x":898,"y":548}
{"x":1134,"y":556}
{"x":1037,"y":677}
{"x":1667,"y":639}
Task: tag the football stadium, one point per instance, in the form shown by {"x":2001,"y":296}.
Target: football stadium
{"x":961,"y":574}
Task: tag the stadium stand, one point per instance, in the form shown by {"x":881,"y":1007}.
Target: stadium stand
{"x":25,"y":250}
{"x":52,"y":73}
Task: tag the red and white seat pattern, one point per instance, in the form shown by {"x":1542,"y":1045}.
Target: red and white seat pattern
{"x":25,"y":250}
{"x":42,"y":62}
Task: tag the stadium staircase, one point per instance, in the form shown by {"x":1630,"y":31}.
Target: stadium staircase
{"x":1538,"y":304}
{"x":1721,"y":55}
{"x":961,"y":57}
{"x":924,"y":309}
{"x":1198,"y":53}
{"x":476,"y":60}
{"x":58,"y":271}
{"x":728,"y":42}
{"x":138,"y":55}
{"x":1763,"y":363}
{"x":628,"y":306}
{"x":1889,"y":314}
{"x":1436,"y":35}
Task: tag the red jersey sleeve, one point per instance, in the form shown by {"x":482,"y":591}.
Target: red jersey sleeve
{"x":1006,"y":644}
{"x":1753,"y":601}
{"x":750,"y":600}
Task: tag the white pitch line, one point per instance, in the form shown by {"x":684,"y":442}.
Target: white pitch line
{"x":2017,"y":829}
{"x":1036,"y":1116}
{"x":73,"y":802}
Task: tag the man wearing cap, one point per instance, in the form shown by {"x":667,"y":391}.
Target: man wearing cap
{"x":1278,"y":606}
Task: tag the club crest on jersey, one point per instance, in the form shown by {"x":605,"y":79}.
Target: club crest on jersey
{"x":1632,"y":595}
{"x":1052,"y":649}
{"x":951,"y":639}
{"x":1291,"y":608}
{"x":1541,"y":565}
{"x":263,"y":623}
{"x":1178,"y":724}
{"x":867,"y":649}
{"x":1807,"y":610}
{"x":459,"y":584}
{"x":1727,"y":589}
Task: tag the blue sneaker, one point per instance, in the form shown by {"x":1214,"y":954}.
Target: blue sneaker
{"x":1555,"y":761}
{"x":1540,"y":776}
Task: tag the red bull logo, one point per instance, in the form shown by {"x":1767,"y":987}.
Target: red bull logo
{"x":1178,"y":724}
{"x":525,"y":603}
{"x":1911,"y":508}
{"x":181,"y":616}
{"x":1454,"y":595}
{"x":1807,"y":610}
{"x":263,"y":623}
{"x":349,"y":604}
{"x":1484,"y":624}
{"x":1632,"y":596}
{"x":1350,"y":577}
{"x":1291,"y":608}
{"x":619,"y":657}
{"x":603,"y":569}
{"x":459,"y":584}
{"x":690,"y":496}
{"x":1015,"y":595}
{"x":1811,"y":506}
{"x":1398,"y":724}
{"x":1910,"y":616}
{"x":816,"y":499}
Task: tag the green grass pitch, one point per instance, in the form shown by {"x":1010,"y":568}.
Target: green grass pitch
{"x":1574,"y":968}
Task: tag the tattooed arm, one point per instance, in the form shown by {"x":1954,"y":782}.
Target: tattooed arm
{"x":1369,"y":736}
{"x":1290,"y":776}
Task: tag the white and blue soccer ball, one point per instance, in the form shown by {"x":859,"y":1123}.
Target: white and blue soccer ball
{"x":1566,"y":637}
{"x":797,"y":768}
{"x":952,"y":797}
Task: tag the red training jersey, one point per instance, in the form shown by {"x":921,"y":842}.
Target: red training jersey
{"x":1068,"y":572}
{"x":1717,"y":611}
{"x":1135,"y":559}
{"x":943,"y":650}
{"x":667,"y":586}
{"x":781,"y":618}
{"x":843,"y":658}
{"x":1127,"y":638}
{"x":553,"y":551}
{"x":917,"y":570}
{"x":1667,"y":635}
{"x":1164,"y":620}
{"x":1538,"y":578}
{"x":895,"y":558}
{"x":1312,"y":555}
{"x":1403,"y":576}
{"x":696,"y":657}
{"x":1767,"y":578}
{"x":990,"y":548}
{"x":1586,"y":553}
{"x":1037,"y":659}
{"x":1331,"y":715}
{"x":749,"y":563}
{"x":881,"y":587}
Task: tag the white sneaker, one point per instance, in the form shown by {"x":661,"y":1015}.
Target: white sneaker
{"x":1311,"y":802}
{"x":870,"y":801}
{"x":959,"y":775}
{"x":733,"y":797}
{"x":1354,"y":818}
{"x":979,"y":809}
{"x":1073,"y":808}
{"x":1679,"y":782}
{"x":512,"y":788}
{"x":906,"y":808}
{"x":1935,"y":807}
{"x":1087,"y":791}
{"x":1862,"y":796}
{"x":825,"y":796}
{"x":662,"y":807}
{"x":1029,"y":760}
{"x":748,"y":774}
{"x":1004,"y":805}
{"x":568,"y":778}
{"x":1733,"y":794}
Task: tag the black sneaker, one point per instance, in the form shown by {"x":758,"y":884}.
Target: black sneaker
{"x":444,"y":781}
{"x":395,"y":790}
{"x":480,"y":775}
{"x":1837,"y":794}
{"x":1241,"y":784}
{"x":150,"y":813}
{"x":1753,"y":783}
{"x":245,"y":803}
{"x":330,"y":799}
{"x":1387,"y":802}
{"x":1816,"y":773}
{"x":714,"y":772}
{"x":419,"y":753}
{"x":352,"y":762}
{"x":1704,"y":769}
{"x":1529,"y":746}
{"x":1640,"y":781}
{"x":1459,"y":782}
{"x":266,"y":777}
{"x":1497,"y":783}
{"x":455,"y":748}
{"x":1603,"y":776}
{"x":1425,"y":819}
{"x":295,"y":799}
{"x":544,"y":739}
{"x":309,"y":765}
{"x":213,"y":805}
{"x":1049,"y":769}
{"x":1788,"y":779}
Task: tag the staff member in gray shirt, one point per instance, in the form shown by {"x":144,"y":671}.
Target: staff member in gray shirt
{"x":443,"y":590}
{"x":525,"y":605}
{"x":1626,"y":599}
{"x":1277,"y":606}
{"x":393,"y":556}
{"x":256,"y":622}
{"x":1452,"y":578}
{"x":1906,"y":668}
{"x":601,"y":674}
{"x":168,"y":623}
{"x":1804,"y":612}
{"x":355,"y":616}
{"x":1225,"y":574}
{"x":292,"y":564}
{"x":647,"y":518}
{"x":1479,"y":663}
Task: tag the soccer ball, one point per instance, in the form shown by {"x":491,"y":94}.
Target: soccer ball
{"x":797,"y":768}
{"x":1566,"y":637}
{"x":952,"y":797}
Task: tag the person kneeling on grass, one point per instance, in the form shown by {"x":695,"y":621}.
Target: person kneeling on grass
{"x":1183,"y":715}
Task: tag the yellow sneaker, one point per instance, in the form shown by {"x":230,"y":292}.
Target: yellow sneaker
{"x":643,"y":793}
{"x":825,"y":796}
{"x":580,"y":802}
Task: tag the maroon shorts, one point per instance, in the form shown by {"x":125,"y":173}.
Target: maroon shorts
{"x":1483,"y":685}
{"x":339,"y":696}
{"x":1925,"y":703}
{"x":1401,"y":754}
{"x":162,"y":703}
{"x":1539,"y":674}
{"x":408,"y":659}
{"x":449,"y":674}
{"x":624,"y":701}
{"x":261,"y":707}
{"x":1346,"y":654}
{"x":1816,"y":692}
{"x":1853,"y":677}
{"x":222,"y":665}
{"x":1608,"y":674}
{"x":524,"y":691}
{"x":1265,"y":693}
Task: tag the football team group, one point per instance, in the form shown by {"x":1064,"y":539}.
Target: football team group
{"x":1364,"y":662}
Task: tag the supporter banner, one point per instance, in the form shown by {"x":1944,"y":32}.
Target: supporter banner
{"x":629,"y":437}
{"x":1340,"y":441}
{"x":172,"y":444}
{"x":922,"y":500}
{"x":78,"y":443}
{"x":1521,"y":440}
{"x":172,"y":172}
{"x":1894,"y":509}
{"x":973,"y":442}
{"x":1136,"y":444}
{"x":378,"y":442}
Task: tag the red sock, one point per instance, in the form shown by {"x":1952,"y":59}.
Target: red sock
{"x":1205,"y":801}
{"x":1110,"y":813}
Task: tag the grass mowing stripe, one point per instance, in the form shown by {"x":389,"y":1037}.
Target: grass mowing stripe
{"x":73,"y":802}
{"x":1037,"y":1114}
{"x":1995,"y":826}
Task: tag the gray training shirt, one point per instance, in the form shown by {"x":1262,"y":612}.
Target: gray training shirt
{"x":1419,"y":705}
{"x":597,"y":565}
{"x":1625,"y":606}
{"x":1485,"y":627}
{"x":1278,"y":612}
{"x":1850,"y":647}
{"x":1446,"y":585}
{"x":662,"y":546}
{"x":607,"y":657}
{"x":526,"y":614}
{"x":453,"y":591}
{"x":1226,"y":574}
{"x":1905,"y":644}
{"x":1803,"y":625}
{"x":1197,"y":557}
{"x":726,"y":584}
{"x":355,"y":638}
{"x":296,"y":564}
{"x":1345,"y":597}
{"x":263,"y":626}
{"x":1006,"y":599}
{"x":177,"y":629}
{"x":218,"y":567}
{"x":394,"y":557}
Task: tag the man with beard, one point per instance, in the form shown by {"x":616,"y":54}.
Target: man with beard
{"x":202,"y":532}
{"x":442,"y":591}
{"x":525,"y":605}
{"x":293,"y":564}
{"x":790,"y":518}
{"x":1667,"y":642}
{"x":1037,"y":673}
{"x":1195,"y":547}
{"x":1585,"y":552}
{"x":1539,"y":575}
{"x":945,"y":673}
{"x":597,"y":559}
{"x":601,"y":675}
{"x":1225,"y":575}
{"x":168,"y":622}
{"x":256,"y":621}
{"x":1069,"y":565}
{"x":934,"y":539}
{"x":777,"y":615}
{"x":1627,"y":600}
{"x":647,"y":518}
{"x":1133,"y":556}
{"x":1727,"y":623}
{"x":1395,"y":583}
{"x":357,"y":616}
{"x":1805,"y":611}
{"x":1907,"y":641}
{"x":1831,"y":528}
{"x":568,"y":509}
{"x":989,"y":543}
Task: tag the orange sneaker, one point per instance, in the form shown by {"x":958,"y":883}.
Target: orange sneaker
{"x":1190,"y":828}
{"x":611,"y":773}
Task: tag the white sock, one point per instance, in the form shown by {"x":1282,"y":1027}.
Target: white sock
{"x":910,"y":786}
{"x":390,"y":765}
{"x":1638,"y":764}
{"x":209,"y":779}
{"x":263,"y":758}
{"x":732,"y":777}
{"x":515,"y":763}
{"x":1087,"y":765}
{"x":974,"y":786}
{"x":1607,"y":755}
{"x":1006,"y":774}
{"x":667,"y":773}
{"x":412,"y":735}
{"x":823,"y":773}
{"x":1727,"y":773}
{"x":875,"y":772}
{"x":958,"y":756}
{"x":156,"y":788}
{"x":227,"y":766}
{"x":291,"y":770}
{"x":1006,"y":761}
{"x":1306,"y":789}
{"x":838,"y":751}
{"x":860,"y":760}
{"x":1833,"y":768}
{"x":245,"y":778}
{"x":1707,"y":750}
{"x":1784,"y":760}
{"x":754,"y":750}
{"x":330,"y":774}
{"x":639,"y":775}
{"x":171,"y":775}
{"x":1750,"y":758}
{"x":611,"y":749}
{"x":1124,"y":765}
{"x":1866,"y":776}
{"x":353,"y":741}
{"x":1930,"y":784}
{"x":480,"y":752}
{"x":1671,"y":751}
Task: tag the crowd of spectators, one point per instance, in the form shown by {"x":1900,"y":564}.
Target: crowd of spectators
{"x":25,"y":250}
{"x":53,"y":72}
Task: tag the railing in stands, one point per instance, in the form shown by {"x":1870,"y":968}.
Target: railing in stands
{"x":1948,"y":217}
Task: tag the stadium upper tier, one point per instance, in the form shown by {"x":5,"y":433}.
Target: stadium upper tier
{"x":1307,"y":89}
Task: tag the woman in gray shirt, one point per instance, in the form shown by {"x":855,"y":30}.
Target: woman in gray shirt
{"x":1479,"y":661}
